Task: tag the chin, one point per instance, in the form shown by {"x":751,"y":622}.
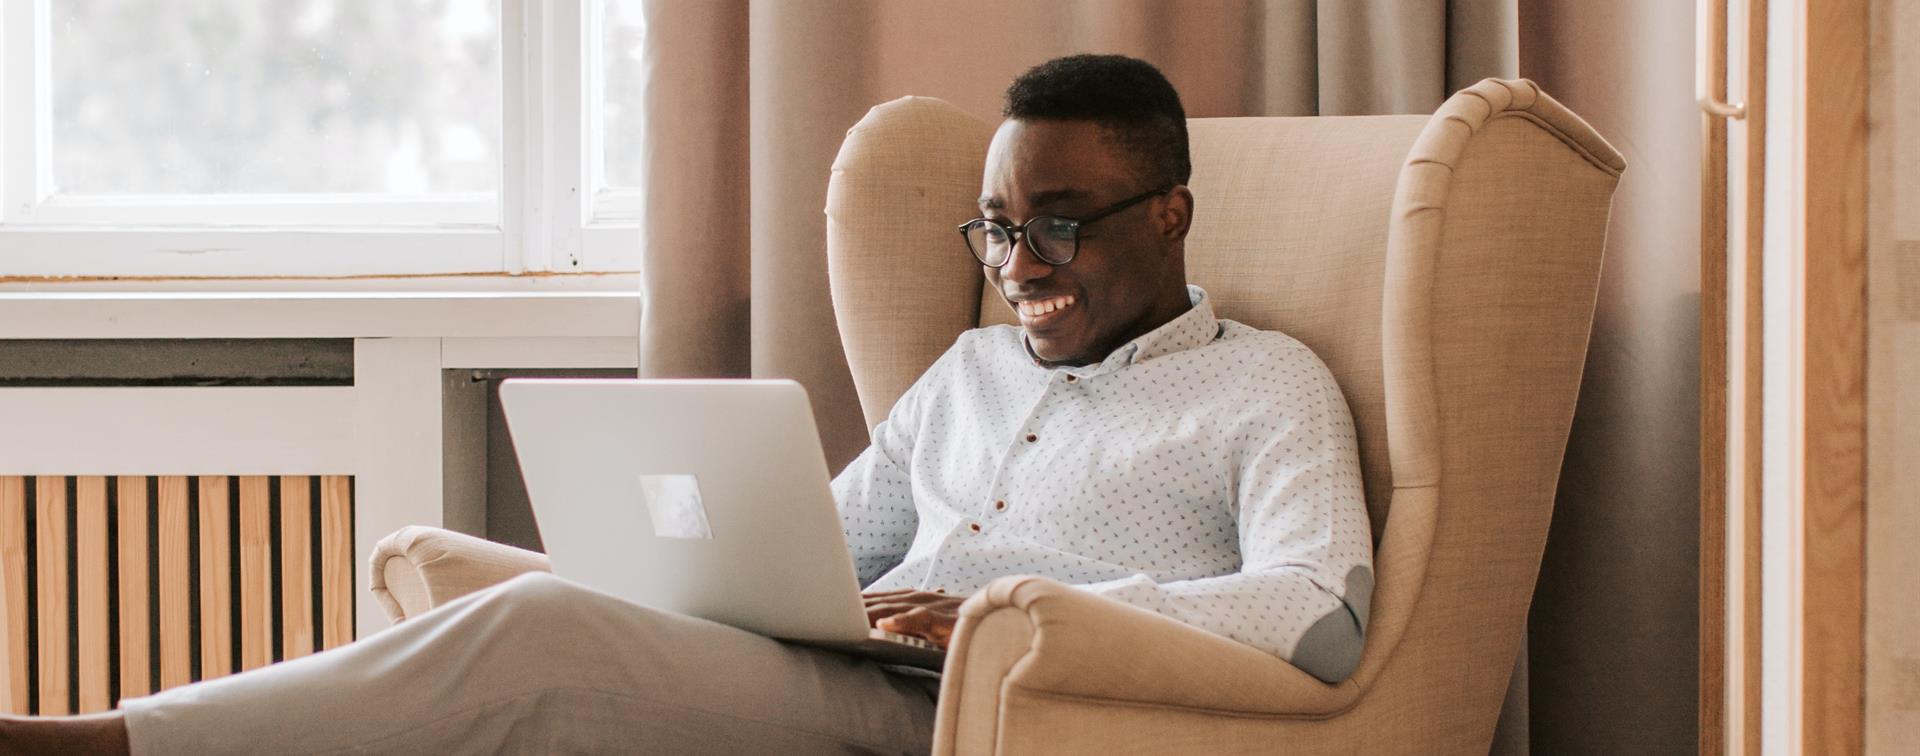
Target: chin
{"x":1054,"y":352}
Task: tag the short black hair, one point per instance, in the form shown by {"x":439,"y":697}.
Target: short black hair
{"x":1128,"y":97}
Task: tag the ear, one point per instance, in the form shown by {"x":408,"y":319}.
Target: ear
{"x":1176,"y":213}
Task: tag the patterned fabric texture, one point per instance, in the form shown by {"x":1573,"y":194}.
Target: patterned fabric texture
{"x":1206,"y":471}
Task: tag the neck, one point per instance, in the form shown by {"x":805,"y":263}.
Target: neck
{"x":1169,"y":305}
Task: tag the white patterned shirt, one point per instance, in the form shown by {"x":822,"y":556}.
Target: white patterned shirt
{"x":1206,"y":471}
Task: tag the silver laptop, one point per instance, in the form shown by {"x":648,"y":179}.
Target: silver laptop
{"x":707,"y":498}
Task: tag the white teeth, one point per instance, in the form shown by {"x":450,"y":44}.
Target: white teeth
{"x":1044,"y":306}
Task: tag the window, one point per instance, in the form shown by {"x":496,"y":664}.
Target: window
{"x":319,"y":137}
{"x":617,"y":96}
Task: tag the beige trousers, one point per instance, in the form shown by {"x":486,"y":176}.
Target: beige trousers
{"x":541,"y":665}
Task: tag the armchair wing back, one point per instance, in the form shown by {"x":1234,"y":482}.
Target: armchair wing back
{"x":1444,"y":267}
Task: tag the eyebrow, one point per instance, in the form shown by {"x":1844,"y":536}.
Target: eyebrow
{"x":1039,"y":199}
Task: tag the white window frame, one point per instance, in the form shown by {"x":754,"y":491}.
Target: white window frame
{"x":549,"y":216}
{"x":611,"y":206}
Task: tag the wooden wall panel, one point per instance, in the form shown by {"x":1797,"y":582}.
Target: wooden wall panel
{"x":1833,"y":493}
{"x":1713,"y":389}
{"x":14,"y":664}
{"x":1753,"y":375}
{"x":216,"y":578}
{"x":136,"y":659}
{"x":173,"y":510}
{"x":95,"y":650}
{"x":50,"y":544}
{"x":296,"y":566}
{"x":336,"y":565}
{"x":115,"y":587}
{"x":256,"y":572}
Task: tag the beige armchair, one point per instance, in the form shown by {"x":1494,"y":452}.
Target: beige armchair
{"x":1445,"y":269}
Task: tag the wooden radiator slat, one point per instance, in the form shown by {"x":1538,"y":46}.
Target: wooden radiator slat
{"x":135,"y":609}
{"x":14,"y":683}
{"x":50,"y":531}
{"x":99,"y":575}
{"x":336,"y":566}
{"x":95,"y":649}
{"x":176,"y":581}
{"x":296,"y":566}
{"x":256,"y":571}
{"x":216,"y":579}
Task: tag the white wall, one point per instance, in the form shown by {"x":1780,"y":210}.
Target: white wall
{"x":1893,"y":392}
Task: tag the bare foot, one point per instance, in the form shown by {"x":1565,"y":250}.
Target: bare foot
{"x":86,"y":734}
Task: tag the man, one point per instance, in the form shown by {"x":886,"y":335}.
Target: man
{"x":1122,"y":439}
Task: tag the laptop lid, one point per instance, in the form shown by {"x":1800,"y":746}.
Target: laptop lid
{"x":709,"y":498}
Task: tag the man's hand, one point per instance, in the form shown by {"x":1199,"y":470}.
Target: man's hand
{"x":922,"y":614}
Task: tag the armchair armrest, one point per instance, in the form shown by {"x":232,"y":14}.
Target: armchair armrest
{"x":418,"y":568}
{"x":1035,"y":635}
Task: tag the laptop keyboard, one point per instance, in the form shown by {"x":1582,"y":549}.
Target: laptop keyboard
{"x":909,"y":640}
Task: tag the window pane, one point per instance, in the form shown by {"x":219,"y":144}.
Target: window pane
{"x":622,"y":31}
{"x":247,"y":96}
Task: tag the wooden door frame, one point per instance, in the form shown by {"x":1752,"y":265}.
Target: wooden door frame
{"x":1829,"y":433}
{"x":1833,"y":480}
{"x":1714,"y":375}
{"x":1724,"y":359}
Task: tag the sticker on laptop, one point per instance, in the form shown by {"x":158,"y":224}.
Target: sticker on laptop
{"x":673,"y":501}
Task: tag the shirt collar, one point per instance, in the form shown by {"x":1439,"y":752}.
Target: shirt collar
{"x":1196,"y":327}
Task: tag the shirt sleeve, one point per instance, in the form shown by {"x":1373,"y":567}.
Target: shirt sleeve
{"x":1306,"y":577}
{"x":875,"y":492}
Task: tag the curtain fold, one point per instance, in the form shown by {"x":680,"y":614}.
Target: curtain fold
{"x":749,"y":100}
{"x":695,"y":289}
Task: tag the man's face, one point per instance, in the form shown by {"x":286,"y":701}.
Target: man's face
{"x":1127,"y":277}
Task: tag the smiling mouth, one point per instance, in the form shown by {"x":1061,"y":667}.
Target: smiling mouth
{"x":1039,"y":312}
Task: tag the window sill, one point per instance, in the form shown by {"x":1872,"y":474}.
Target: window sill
{"x":461,"y":307}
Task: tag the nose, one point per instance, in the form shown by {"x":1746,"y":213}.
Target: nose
{"x":1024,"y":264}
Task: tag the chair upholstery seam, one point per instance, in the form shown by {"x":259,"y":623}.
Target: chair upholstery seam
{"x":1009,"y":685}
{"x":1564,"y":138}
{"x":1105,"y":701}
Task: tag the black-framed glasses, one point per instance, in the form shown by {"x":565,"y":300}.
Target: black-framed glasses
{"x":1053,"y":239}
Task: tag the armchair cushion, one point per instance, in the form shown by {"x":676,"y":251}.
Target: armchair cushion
{"x":1021,"y":631}
{"x":1041,"y":635}
{"x":418,"y":568}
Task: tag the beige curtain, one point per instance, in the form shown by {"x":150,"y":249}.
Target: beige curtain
{"x":748,"y":102}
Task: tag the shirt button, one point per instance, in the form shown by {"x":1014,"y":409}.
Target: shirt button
{"x":1071,"y":378}
{"x":1000,"y":506}
{"x":1032,"y":437}
{"x":973,"y":526}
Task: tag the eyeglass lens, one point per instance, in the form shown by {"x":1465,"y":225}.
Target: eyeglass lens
{"x":1052,"y":239}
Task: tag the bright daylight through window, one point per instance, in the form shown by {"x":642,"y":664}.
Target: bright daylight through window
{"x":217,"y":138}
{"x":623,"y":28}
{"x":239,"y":96}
